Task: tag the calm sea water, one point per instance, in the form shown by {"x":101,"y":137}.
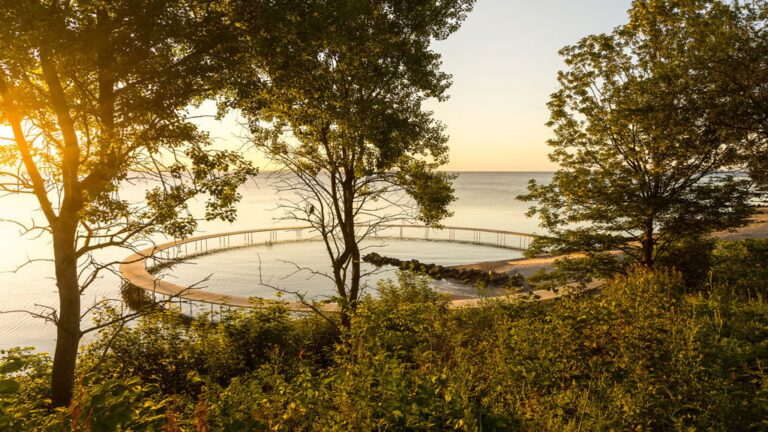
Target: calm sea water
{"x":485,"y":200}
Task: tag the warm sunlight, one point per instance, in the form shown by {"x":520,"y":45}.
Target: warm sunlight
{"x":422,"y":215}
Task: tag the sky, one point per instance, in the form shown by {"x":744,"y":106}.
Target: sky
{"x":504,"y":64}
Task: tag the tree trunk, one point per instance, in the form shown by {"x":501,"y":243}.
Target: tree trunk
{"x":648,"y":244}
{"x":68,"y":326}
{"x":350,"y":241}
{"x":354,"y":290}
{"x":351,"y":252}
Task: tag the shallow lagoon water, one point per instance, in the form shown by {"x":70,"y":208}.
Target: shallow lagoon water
{"x":239,"y":271}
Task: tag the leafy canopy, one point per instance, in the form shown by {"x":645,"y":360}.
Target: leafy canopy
{"x":640,"y":165}
{"x":346,"y":82}
{"x":102,"y":91}
{"x":96,"y":93}
{"x":338,"y":104}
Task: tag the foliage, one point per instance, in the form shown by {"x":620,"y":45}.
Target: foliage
{"x":23,"y":389}
{"x":403,"y":321}
{"x":641,"y":355}
{"x":742,"y":268}
{"x":729,"y":52}
{"x":342,"y":112}
{"x":694,"y":258}
{"x":165,"y":350}
{"x":96,"y":96}
{"x":116,"y":405}
{"x":580,"y":269}
{"x":124,"y":122}
{"x":640,"y":164}
{"x":721,"y":45}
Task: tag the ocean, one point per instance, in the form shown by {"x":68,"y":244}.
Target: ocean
{"x":484,"y":200}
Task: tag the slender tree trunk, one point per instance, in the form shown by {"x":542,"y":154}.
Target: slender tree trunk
{"x":350,"y":240}
{"x":354,"y":291}
{"x":351,"y":252}
{"x":342,"y":291}
{"x":68,"y":326}
{"x":648,"y":245}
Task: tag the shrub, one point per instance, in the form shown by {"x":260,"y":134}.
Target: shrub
{"x":408,"y":319}
{"x":640,"y":355}
{"x":741,"y":268}
{"x":693,"y":258}
{"x":24,"y":379}
{"x":165,"y":349}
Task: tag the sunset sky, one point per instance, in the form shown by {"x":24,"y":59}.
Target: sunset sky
{"x":504,"y":64}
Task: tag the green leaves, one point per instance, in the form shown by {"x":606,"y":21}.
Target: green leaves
{"x":334,"y":94}
{"x":639,"y":157}
{"x":128,"y":72}
{"x":121,"y":405}
{"x":98,"y":94}
{"x":24,"y":389}
{"x":640,"y":356}
{"x":8,"y":387}
{"x":14,"y":365}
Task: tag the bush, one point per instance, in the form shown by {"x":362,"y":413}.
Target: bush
{"x":408,"y":319}
{"x":580,"y":270}
{"x":165,"y":349}
{"x":24,"y":379}
{"x":693,"y":258}
{"x":640,"y":355}
{"x":741,"y":268}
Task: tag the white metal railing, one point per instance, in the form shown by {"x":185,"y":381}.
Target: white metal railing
{"x":135,"y":268}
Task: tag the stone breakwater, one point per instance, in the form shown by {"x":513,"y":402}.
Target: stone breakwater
{"x":470,"y":276}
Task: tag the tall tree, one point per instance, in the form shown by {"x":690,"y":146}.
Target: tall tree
{"x":639,"y":162}
{"x":730,"y":52}
{"x":96,"y":94}
{"x":341,"y":111}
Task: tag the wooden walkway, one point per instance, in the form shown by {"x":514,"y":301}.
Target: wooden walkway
{"x":134,"y":268}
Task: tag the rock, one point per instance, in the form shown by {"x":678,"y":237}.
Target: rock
{"x":466,"y":276}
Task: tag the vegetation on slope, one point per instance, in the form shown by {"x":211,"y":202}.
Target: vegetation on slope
{"x":644,"y":354}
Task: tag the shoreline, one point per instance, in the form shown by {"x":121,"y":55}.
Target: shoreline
{"x":756,"y":229}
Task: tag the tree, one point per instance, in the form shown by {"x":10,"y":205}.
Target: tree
{"x":640,"y":164}
{"x":95,"y":93}
{"x":342,"y":114}
{"x":731,"y":54}
{"x":725,"y":49}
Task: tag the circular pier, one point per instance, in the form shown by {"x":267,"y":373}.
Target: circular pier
{"x":136,"y":268}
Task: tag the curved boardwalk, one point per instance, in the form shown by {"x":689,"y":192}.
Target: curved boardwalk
{"x":134,"y":269}
{"x":135,"y":272}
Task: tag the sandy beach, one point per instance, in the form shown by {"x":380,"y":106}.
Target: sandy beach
{"x":756,"y":229}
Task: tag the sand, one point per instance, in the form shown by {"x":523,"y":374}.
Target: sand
{"x":756,"y":229}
